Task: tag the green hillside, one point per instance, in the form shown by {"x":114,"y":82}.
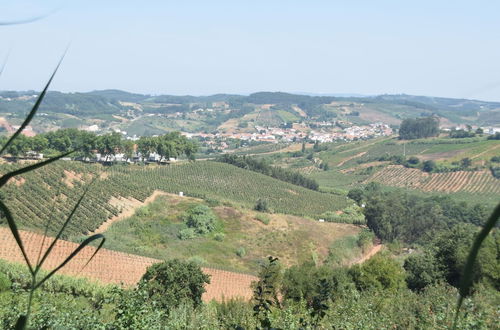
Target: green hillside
{"x":239,"y":241}
{"x":33,"y":196}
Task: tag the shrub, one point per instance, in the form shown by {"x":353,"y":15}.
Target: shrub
{"x":187,"y":233}
{"x":143,"y":211}
{"x":365,"y":239}
{"x":264,"y":218}
{"x":201,"y":219}
{"x":380,"y":272}
{"x":219,"y":237}
{"x":197,"y":260}
{"x":261,"y":205}
{"x":241,"y":252}
{"x":174,"y":282}
{"x":429,"y":166}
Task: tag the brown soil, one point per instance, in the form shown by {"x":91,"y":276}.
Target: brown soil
{"x":373,"y":251}
{"x":351,"y":157}
{"x":70,"y":177}
{"x":115,"y":267}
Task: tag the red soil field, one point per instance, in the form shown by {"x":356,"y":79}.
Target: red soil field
{"x":115,"y":267}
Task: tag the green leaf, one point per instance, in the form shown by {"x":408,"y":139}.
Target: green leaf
{"x":15,"y":233}
{"x":7,"y":176}
{"x":63,"y":227}
{"x":73,"y":254}
{"x":466,"y":278}
{"x":34,"y":109}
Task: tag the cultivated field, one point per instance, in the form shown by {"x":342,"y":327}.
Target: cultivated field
{"x":115,"y":267}
{"x":459,"y":181}
{"x":52,"y":191}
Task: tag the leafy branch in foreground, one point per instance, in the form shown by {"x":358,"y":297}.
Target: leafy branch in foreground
{"x":466,"y":279}
{"x":34,"y":269}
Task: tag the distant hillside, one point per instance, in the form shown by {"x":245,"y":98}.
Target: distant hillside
{"x":111,"y":109}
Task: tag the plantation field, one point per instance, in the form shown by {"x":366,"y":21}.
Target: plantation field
{"x":240,"y":242}
{"x":459,"y":181}
{"x":441,"y":149}
{"x":116,"y":267}
{"x":52,"y":191}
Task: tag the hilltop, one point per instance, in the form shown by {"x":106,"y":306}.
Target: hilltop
{"x":147,"y":114}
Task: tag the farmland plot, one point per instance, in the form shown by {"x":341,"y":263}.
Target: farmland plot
{"x":450,"y":182}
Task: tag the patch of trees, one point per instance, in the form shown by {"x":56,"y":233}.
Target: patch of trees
{"x":261,"y":166}
{"x":444,"y":257}
{"x":459,"y":134}
{"x":169,"y":145}
{"x":496,"y":136}
{"x":419,"y":128}
{"x":86,"y":143}
{"x":412,"y":219}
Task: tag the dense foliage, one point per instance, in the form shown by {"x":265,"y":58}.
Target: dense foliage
{"x":419,"y":128}
{"x":86,"y":144}
{"x":263,"y":167}
{"x":173,"y":283}
{"x":409,"y":218}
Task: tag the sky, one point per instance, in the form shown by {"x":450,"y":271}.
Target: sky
{"x":434,"y":48}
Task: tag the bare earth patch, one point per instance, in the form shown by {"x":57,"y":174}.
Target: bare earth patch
{"x":70,"y":177}
{"x":115,"y":267}
{"x":349,"y":158}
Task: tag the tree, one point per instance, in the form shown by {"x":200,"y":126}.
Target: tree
{"x":413,"y":160}
{"x":201,"y":219}
{"x":422,"y":270}
{"x":419,"y":128}
{"x":379,"y":273}
{"x":266,"y":290}
{"x":465,"y":162}
{"x":174,"y":282}
{"x":357,"y":195}
{"x":429,"y":166}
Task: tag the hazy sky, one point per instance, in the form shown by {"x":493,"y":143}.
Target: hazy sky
{"x":439,"y":48}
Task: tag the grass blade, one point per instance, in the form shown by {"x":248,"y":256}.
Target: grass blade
{"x":466,"y":279}
{"x":28,"y":20}
{"x":7,"y":176}
{"x":15,"y":233}
{"x":73,"y":254}
{"x":47,"y":226}
{"x":34,"y":109}
{"x":4,"y":63}
{"x":58,"y":236}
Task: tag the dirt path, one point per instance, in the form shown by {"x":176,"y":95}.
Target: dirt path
{"x":373,"y":251}
{"x":486,"y":151}
{"x":115,"y":267}
{"x":129,"y":206}
{"x":345,"y":160}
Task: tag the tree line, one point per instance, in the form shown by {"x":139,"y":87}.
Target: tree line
{"x":86,"y":144}
{"x":261,"y":166}
{"x":419,"y":128}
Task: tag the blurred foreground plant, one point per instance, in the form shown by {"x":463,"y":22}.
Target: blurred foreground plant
{"x":34,"y":268}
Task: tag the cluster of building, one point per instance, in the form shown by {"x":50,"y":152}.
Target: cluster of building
{"x":298,"y":133}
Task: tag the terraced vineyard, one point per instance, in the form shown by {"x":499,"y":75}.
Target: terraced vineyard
{"x":459,"y":181}
{"x":51,"y":192}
